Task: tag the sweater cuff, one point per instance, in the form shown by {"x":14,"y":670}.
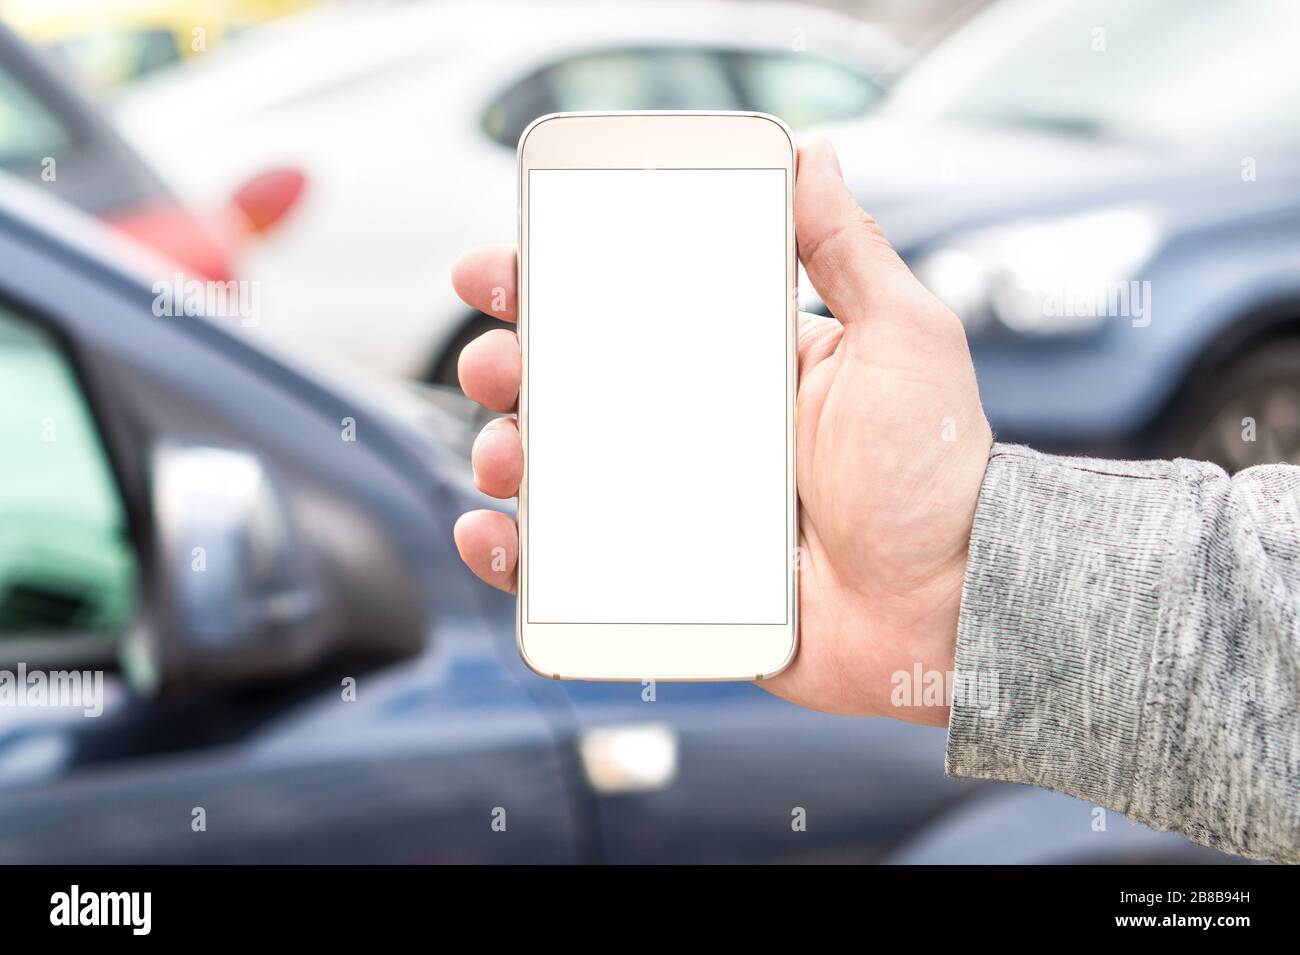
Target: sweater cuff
{"x":1059,"y":613}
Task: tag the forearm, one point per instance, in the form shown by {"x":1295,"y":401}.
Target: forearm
{"x":1139,"y":623}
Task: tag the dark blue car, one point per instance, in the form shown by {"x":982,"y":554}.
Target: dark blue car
{"x":1108,"y":194}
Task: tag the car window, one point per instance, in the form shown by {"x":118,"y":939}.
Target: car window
{"x":802,"y":88}
{"x":67,"y":567}
{"x":108,"y":57}
{"x":615,"y":79}
{"x":29,"y":130}
{"x":1167,"y":72}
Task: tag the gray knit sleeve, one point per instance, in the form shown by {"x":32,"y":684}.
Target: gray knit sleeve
{"x":1138,"y":624}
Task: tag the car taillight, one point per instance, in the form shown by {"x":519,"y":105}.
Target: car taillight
{"x":176,"y":233}
{"x":267,"y":198}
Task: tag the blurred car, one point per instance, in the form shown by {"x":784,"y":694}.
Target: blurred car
{"x":301,"y":670}
{"x":1108,"y":195}
{"x":404,"y":118}
{"x":113,"y":41}
{"x":52,"y":136}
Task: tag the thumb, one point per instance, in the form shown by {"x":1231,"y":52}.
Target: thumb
{"x":850,"y":262}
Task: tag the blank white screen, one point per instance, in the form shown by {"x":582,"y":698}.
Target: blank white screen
{"x":657,"y":396}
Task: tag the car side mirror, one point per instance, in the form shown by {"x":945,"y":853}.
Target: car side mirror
{"x":237,"y":596}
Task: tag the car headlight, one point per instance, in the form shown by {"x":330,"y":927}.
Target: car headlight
{"x":1047,"y":277}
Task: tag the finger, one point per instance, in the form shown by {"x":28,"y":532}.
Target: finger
{"x":490,"y":368}
{"x":846,"y":255}
{"x":498,"y":458}
{"x":485,"y":279}
{"x":488,"y":542}
{"x":818,"y":336}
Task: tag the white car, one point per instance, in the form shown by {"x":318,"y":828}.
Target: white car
{"x":403,"y":119}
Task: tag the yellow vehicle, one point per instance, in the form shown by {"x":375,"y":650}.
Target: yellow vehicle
{"x":114,"y":41}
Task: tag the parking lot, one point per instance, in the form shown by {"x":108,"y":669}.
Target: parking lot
{"x":234,"y":445}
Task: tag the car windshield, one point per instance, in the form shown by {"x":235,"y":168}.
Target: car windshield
{"x":1176,"y":72}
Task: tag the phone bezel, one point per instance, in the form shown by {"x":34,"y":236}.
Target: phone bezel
{"x":670,"y":652}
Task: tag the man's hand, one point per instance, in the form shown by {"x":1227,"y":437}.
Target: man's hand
{"x":892,"y":447}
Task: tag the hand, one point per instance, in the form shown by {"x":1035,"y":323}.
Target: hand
{"x":892,"y":446}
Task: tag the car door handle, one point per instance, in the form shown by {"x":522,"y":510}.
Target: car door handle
{"x":629,"y":757}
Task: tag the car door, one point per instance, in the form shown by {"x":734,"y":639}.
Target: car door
{"x":443,"y":756}
{"x":697,"y":772}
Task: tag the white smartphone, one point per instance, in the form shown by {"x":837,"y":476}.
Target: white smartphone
{"x":658,"y":515}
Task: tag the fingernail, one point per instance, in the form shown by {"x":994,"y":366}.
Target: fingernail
{"x":483,"y":435}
